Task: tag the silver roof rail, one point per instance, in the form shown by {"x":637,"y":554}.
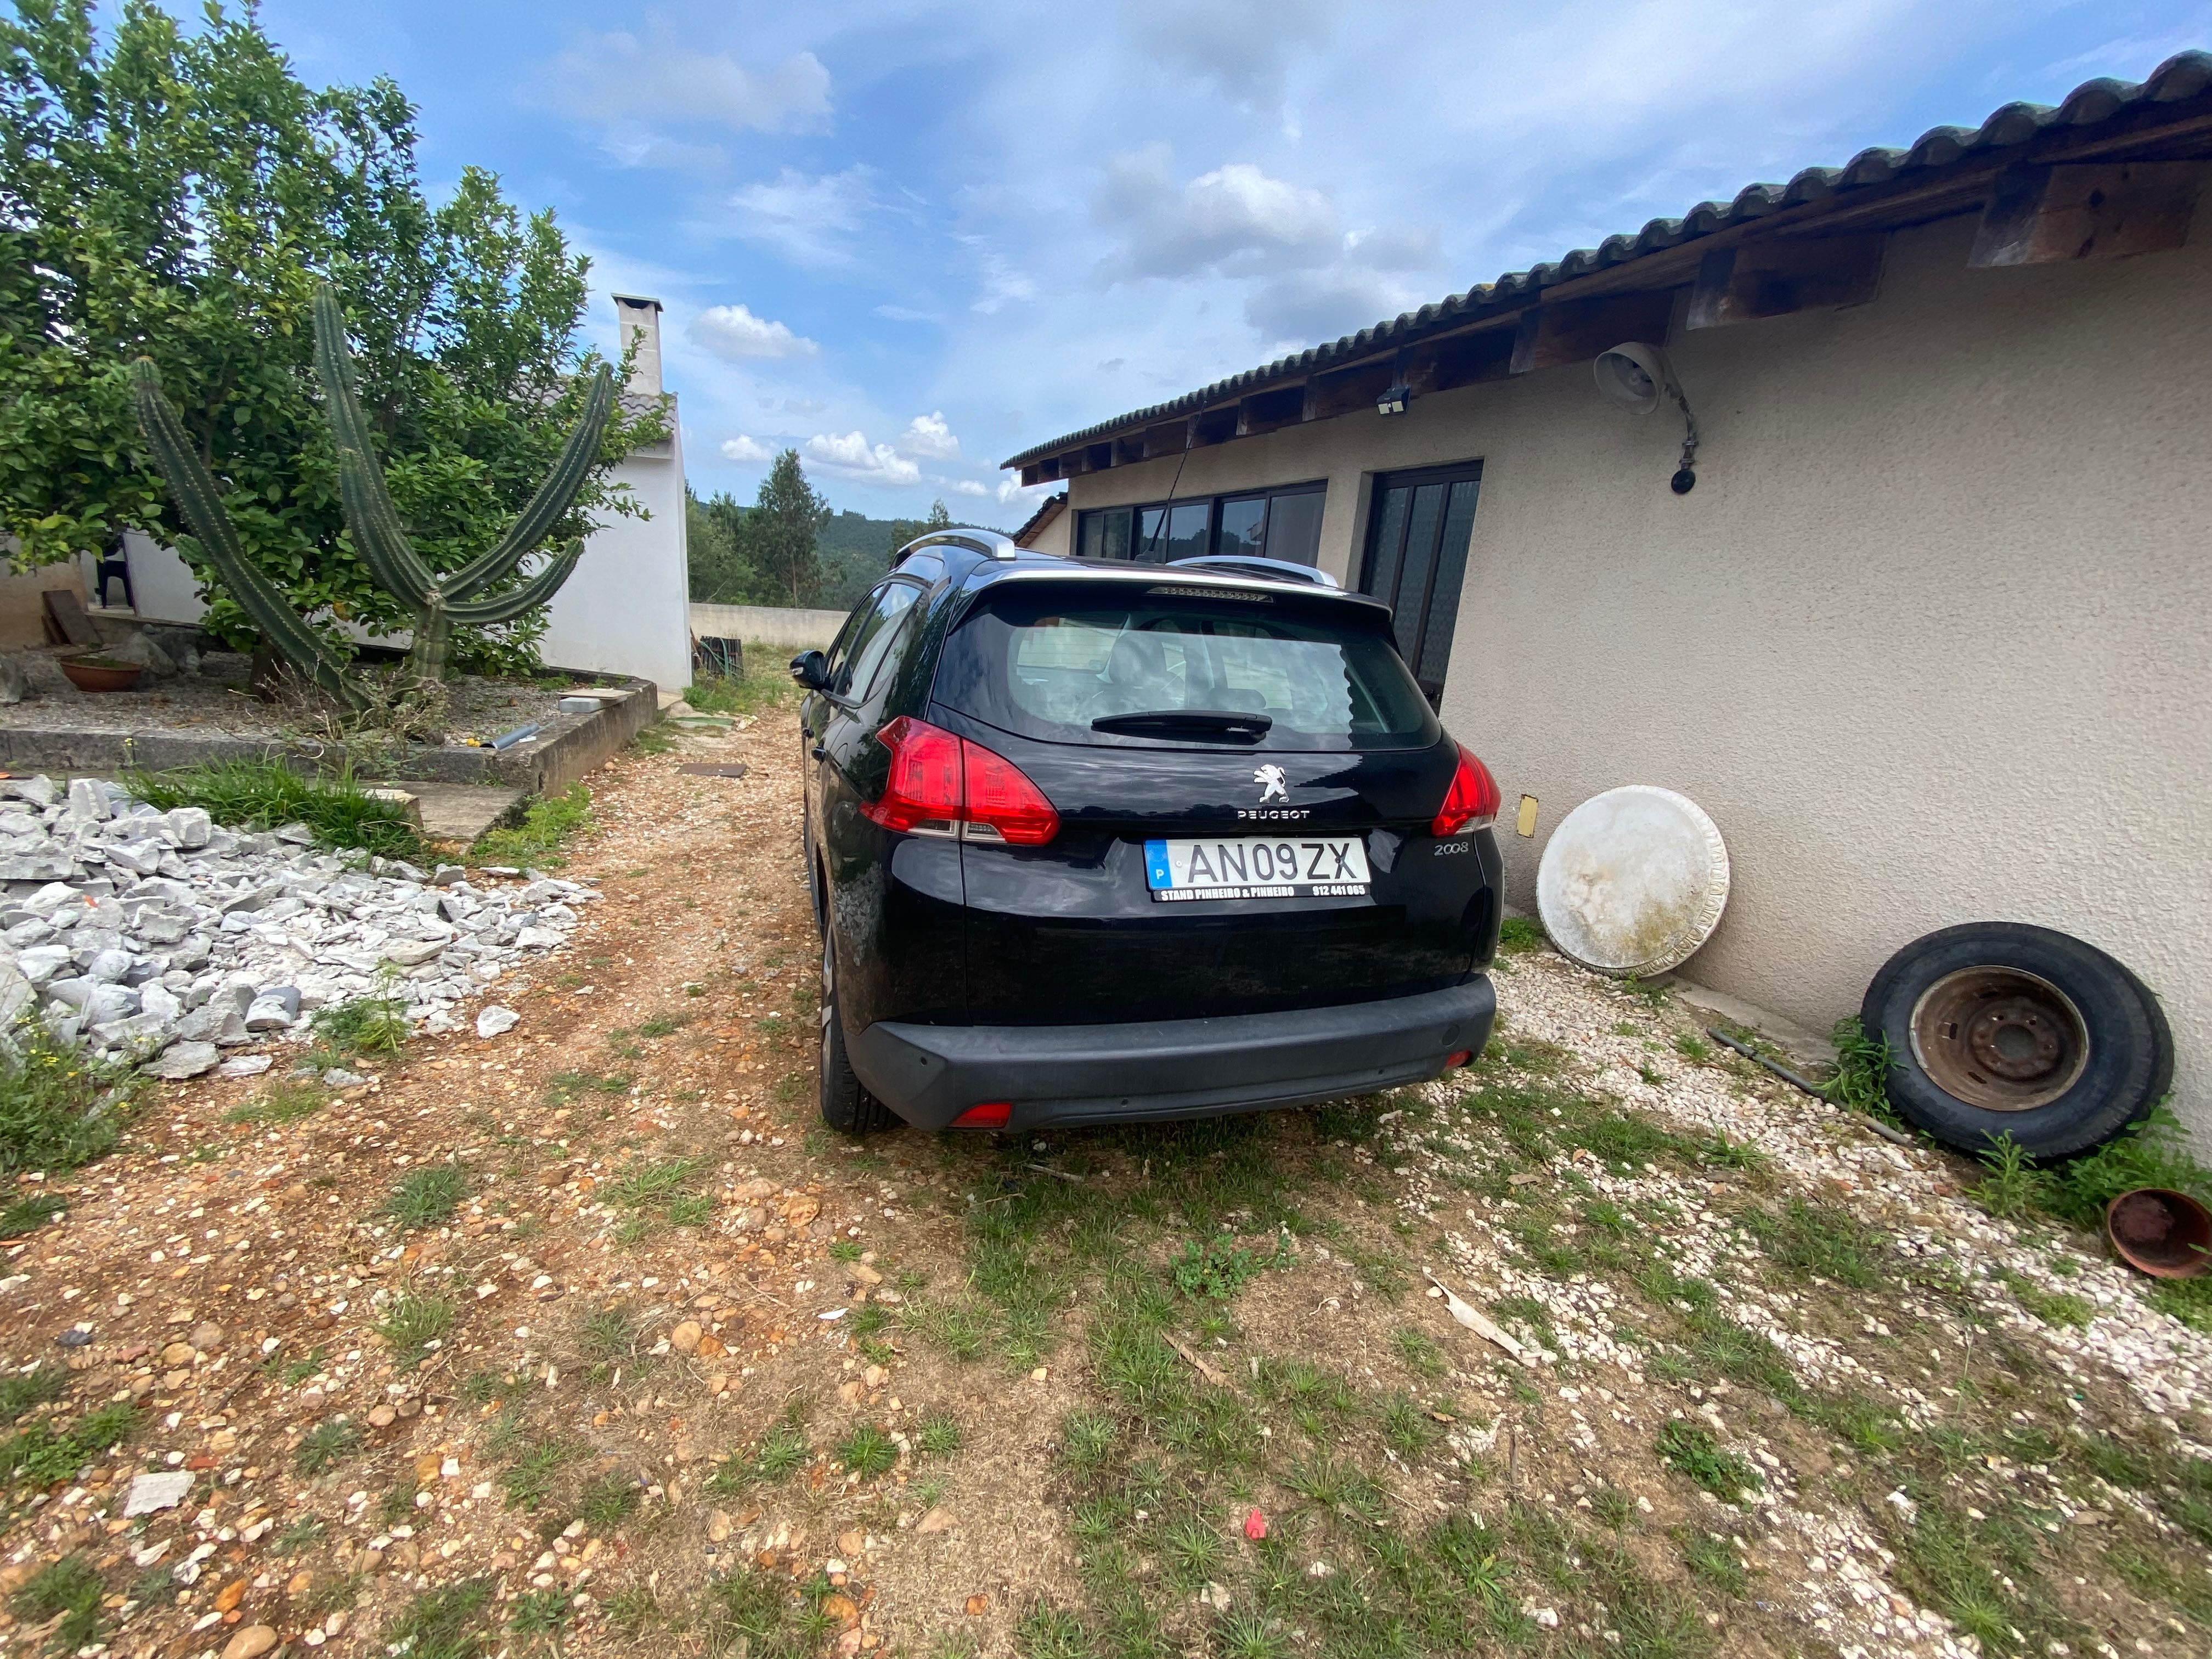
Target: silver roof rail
{"x":989,"y":543}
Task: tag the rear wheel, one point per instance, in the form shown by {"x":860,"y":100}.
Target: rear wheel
{"x":847,"y":1106}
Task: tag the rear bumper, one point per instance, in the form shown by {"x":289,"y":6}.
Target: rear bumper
{"x":1176,"y":1068}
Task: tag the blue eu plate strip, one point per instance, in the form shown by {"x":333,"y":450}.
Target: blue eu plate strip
{"x":1156,"y":874}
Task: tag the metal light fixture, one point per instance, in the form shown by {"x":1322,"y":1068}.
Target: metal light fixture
{"x":1395,"y":398}
{"x":1637,"y":377}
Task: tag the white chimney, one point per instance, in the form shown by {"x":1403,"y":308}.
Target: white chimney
{"x":640,"y":321}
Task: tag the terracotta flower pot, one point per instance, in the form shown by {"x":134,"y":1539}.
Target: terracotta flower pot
{"x":2165,"y":1235}
{"x":100,"y":674}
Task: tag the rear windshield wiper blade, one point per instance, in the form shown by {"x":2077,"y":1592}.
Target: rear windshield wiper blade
{"x":1187,"y":723}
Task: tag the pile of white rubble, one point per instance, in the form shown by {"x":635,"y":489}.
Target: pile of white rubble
{"x":158,"y":937}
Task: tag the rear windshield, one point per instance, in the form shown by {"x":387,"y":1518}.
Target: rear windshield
{"x":1049,"y":663}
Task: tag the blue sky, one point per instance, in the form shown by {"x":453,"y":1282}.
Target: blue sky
{"x":911,"y":238}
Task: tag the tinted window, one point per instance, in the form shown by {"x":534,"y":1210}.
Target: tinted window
{"x":1047,"y":665}
{"x":874,"y":636}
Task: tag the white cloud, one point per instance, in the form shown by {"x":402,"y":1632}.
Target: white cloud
{"x":967,"y":487}
{"x":1243,"y":46}
{"x":616,"y":79}
{"x":930,"y":437}
{"x":810,"y":220}
{"x":1235,"y":220}
{"x":735,"y":334}
{"x":852,"y":456}
{"x":1026,"y":496}
{"x":742,"y":448}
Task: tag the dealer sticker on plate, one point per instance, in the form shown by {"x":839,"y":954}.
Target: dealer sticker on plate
{"x":1311,"y":866}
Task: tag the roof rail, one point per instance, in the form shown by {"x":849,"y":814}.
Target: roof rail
{"x":989,"y":543}
{"x":1241,"y":564}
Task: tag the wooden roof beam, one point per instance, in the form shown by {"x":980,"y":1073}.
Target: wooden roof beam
{"x":1559,"y":332}
{"x":2092,"y":210}
{"x":1747,"y":281}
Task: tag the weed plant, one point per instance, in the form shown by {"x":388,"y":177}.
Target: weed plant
{"x":259,"y":795}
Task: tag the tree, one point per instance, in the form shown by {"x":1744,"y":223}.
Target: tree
{"x":905,"y":530}
{"x":776,"y":540}
{"x":178,"y":197}
{"x":719,"y":574}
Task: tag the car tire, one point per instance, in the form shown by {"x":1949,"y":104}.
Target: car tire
{"x":847,"y":1105}
{"x":1998,"y":1028}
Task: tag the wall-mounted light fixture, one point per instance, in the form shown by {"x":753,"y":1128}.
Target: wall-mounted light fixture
{"x":1637,"y":377}
{"x":1397,"y":394}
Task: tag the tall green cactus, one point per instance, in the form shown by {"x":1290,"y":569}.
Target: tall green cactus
{"x":441,"y":601}
{"x":438,"y":601}
{"x":188,"y":480}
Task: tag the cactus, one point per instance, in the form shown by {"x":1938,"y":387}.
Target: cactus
{"x":188,"y":480}
{"x":441,"y":601}
{"x":438,"y":601}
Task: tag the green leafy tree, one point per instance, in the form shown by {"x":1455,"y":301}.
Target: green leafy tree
{"x":719,"y":574}
{"x":778,"y":538}
{"x":178,"y":197}
{"x":905,"y":530}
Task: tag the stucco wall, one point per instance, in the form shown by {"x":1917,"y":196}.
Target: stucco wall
{"x":770,"y":624}
{"x":1931,"y":638}
{"x":624,"y":610}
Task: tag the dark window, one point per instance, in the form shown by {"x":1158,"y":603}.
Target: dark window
{"x":1278,"y":524}
{"x":1417,"y":557}
{"x":878,"y":630}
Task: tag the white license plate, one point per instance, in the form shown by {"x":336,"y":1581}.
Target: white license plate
{"x":1241,"y":867}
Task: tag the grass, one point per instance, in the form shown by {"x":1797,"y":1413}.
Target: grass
{"x":28,"y":1214}
{"x":1518,"y":935}
{"x":69,"y":1587}
{"x":262,"y":795}
{"x":1692,"y":1451}
{"x":58,"y":1111}
{"x":537,"y":841}
{"x":938,"y":1436}
{"x":528,"y":1481}
{"x":607,"y":1502}
{"x":413,"y":1323}
{"x":783,"y":1450}
{"x":2060,"y":1308}
{"x":766,"y":685}
{"x":1713,"y":1561}
{"x":541,"y":1614}
{"x":22,"y":1391}
{"x":1814,"y":1241}
{"x":329,"y":1443}
{"x":868,"y":1451}
{"x":1220,"y":1268}
{"x":283,"y":1100}
{"x":446,"y":1623}
{"x":41,"y":1454}
{"x":1862,"y":1064}
{"x":428,"y":1196}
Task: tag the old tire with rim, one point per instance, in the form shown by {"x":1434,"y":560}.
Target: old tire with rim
{"x":1999,"y":1029}
{"x":847,"y":1105}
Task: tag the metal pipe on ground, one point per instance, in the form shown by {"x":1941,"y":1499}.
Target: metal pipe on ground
{"x":1884,"y":1130}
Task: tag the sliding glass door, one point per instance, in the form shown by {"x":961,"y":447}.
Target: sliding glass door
{"x":1417,"y":534}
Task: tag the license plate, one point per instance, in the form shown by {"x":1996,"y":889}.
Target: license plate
{"x":1236,"y":868}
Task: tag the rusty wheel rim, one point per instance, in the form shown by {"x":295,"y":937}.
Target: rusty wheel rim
{"x":1999,"y":1039}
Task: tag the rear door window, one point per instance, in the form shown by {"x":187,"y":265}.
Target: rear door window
{"x":1049,"y":665}
{"x":880,"y":636}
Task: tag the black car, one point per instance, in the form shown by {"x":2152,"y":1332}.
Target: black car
{"x":1095,"y":842}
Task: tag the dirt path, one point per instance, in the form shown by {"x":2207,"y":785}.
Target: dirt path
{"x":659,"y":1364}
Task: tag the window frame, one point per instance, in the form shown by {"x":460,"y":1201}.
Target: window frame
{"x":1133,"y":513}
{"x":1410,"y":478}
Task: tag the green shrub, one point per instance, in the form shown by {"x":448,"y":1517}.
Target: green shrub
{"x":261,"y":795}
{"x":1518,"y":935}
{"x":1862,"y":1081}
{"x":69,"y":1587}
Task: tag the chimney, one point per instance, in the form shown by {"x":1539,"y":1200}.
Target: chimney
{"x":640,"y":321}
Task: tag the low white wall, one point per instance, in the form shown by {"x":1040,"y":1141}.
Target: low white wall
{"x":768,"y":624}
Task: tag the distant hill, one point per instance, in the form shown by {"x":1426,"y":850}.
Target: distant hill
{"x":855,"y":548}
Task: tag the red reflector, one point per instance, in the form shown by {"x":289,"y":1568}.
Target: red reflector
{"x":940,"y":784}
{"x":992,"y":1115}
{"x":1453,"y":1061}
{"x":1471,"y":803}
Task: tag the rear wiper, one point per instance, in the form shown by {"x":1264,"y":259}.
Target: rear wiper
{"x":1187,"y":723}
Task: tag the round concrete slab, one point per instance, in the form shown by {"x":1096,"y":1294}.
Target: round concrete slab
{"x":1632,"y":881}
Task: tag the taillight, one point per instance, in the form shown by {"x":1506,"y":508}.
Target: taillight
{"x":943,"y":785}
{"x":992,"y":1115}
{"x":1471,"y":803}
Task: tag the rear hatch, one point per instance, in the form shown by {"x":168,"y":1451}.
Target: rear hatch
{"x":1259,"y":754}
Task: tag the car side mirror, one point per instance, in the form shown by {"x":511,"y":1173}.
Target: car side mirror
{"x":812,"y":670}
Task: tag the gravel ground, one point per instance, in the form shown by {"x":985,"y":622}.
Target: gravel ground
{"x":591,"y":1317}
